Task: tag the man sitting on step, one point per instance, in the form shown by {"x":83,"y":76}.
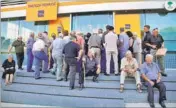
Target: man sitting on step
{"x":91,"y":66}
{"x":152,"y":75}
{"x":129,"y":68}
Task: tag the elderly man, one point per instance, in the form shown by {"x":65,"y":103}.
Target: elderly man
{"x":92,"y":68}
{"x":152,"y":76}
{"x":137,"y":48}
{"x":129,"y":67}
{"x":39,"y":55}
{"x":95,"y":45}
{"x":111,"y":50}
{"x":71,"y":52}
{"x":19,"y":49}
{"x":156,"y":42}
{"x":30,"y":56}
{"x":57,"y":49}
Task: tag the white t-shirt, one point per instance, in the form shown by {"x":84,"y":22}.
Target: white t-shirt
{"x":38,"y":45}
{"x":137,"y":46}
{"x":111,"y":41}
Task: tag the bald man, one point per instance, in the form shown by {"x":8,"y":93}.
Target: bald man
{"x":151,"y":74}
{"x":19,"y":49}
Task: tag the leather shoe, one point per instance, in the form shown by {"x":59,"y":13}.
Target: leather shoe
{"x":71,"y":88}
{"x":59,"y":79}
{"x":95,"y":79}
{"x":106,"y":74}
{"x":162,"y":104}
{"x":164,"y":74}
{"x":38,"y":78}
{"x":152,"y":105}
{"x":65,"y":79}
{"x":81,"y":87}
{"x":117,"y":74}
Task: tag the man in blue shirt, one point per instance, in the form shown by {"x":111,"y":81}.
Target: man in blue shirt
{"x":151,"y":74}
{"x":30,"y":56}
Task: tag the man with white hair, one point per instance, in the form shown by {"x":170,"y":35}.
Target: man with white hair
{"x":129,"y":67}
{"x":30,"y":56}
{"x":57,"y":49}
{"x":151,"y":73}
{"x":137,"y":48}
{"x":39,"y":55}
{"x":19,"y":49}
{"x":95,"y":45}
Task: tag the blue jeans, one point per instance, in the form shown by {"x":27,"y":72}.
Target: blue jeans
{"x":57,"y":67}
{"x":30,"y":58}
{"x":39,"y":56}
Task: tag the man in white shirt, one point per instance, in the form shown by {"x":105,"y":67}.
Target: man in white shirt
{"x":111,"y":40}
{"x":137,"y":48}
{"x":39,"y":55}
{"x":129,"y":67}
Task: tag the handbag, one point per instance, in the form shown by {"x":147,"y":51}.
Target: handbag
{"x":161,"y":52}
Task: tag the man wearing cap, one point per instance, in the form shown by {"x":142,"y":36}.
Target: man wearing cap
{"x":95,"y":45}
{"x":30,"y":57}
{"x":39,"y":55}
{"x":111,"y":41}
{"x":19,"y":49}
{"x":72,"y":55}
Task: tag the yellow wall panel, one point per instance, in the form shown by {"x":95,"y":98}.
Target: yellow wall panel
{"x":62,"y":21}
{"x":133,"y":19}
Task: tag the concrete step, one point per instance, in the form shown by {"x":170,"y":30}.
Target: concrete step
{"x":129,"y":96}
{"x":56,"y":100}
{"x":88,"y":83}
{"x":101,"y":77}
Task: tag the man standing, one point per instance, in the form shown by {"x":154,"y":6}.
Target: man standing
{"x":124,"y":43}
{"x":146,"y":37}
{"x":152,"y":76}
{"x":71,"y":52}
{"x":111,"y":49}
{"x":19,"y":49}
{"x":30,"y":56}
{"x":39,"y":55}
{"x":57,"y":49}
{"x":156,"y":42}
{"x":137,"y":48}
{"x":95,"y":45}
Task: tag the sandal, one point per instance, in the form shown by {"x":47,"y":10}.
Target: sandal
{"x":139,"y":88}
{"x":121,"y":88}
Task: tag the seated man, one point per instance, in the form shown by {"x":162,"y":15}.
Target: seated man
{"x":91,"y":66}
{"x":129,"y":67}
{"x":152,"y":75}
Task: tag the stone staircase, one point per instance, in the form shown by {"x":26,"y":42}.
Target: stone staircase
{"x":49,"y":92}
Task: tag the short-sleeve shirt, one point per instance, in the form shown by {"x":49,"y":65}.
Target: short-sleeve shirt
{"x":137,"y":46}
{"x":158,"y":40}
{"x":19,"y":46}
{"x":30,"y":43}
{"x":126,"y":64}
{"x":58,"y":46}
{"x":71,"y":50}
{"x":94,"y":41}
{"x":124,"y":40}
{"x":150,"y":70}
{"x":111,"y":41}
{"x":80,"y":41}
{"x":91,"y":64}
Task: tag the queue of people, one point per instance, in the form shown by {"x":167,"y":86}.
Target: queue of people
{"x":90,"y":55}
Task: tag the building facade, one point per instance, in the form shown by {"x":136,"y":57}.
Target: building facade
{"x":87,"y":15}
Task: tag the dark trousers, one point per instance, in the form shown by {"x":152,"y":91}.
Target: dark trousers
{"x":72,"y":63}
{"x":162,"y":91}
{"x":20,"y":58}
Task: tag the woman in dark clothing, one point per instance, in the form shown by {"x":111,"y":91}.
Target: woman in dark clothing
{"x":9,"y":67}
{"x":130,"y":35}
{"x":86,"y":38}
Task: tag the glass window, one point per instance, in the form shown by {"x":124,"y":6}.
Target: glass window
{"x":87,"y":22}
{"x":166,"y":24}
